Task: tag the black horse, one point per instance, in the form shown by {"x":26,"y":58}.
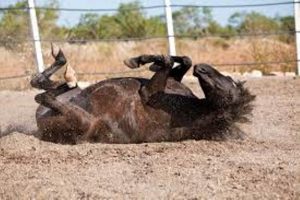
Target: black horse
{"x":135,"y":110}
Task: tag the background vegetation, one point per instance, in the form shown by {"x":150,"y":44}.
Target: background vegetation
{"x":199,"y":36}
{"x":130,"y":21}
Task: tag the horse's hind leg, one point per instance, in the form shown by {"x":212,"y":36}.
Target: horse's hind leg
{"x":54,"y":88}
{"x":42,"y":80}
{"x":75,"y":121}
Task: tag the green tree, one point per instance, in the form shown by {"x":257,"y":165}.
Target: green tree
{"x":87,"y":27}
{"x":14,"y":23}
{"x":218,"y":30}
{"x":47,"y":19}
{"x":155,"y":27}
{"x":287,"y":24}
{"x":253,"y":22}
{"x":195,"y":21}
{"x":134,"y":23}
{"x":93,"y":26}
{"x":128,"y":22}
{"x":109,"y":28}
{"x":131,"y":20}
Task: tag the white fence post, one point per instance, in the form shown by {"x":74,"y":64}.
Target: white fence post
{"x":170,"y":28}
{"x":297,"y":29}
{"x":36,"y":36}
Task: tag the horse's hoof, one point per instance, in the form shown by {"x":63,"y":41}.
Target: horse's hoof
{"x":132,"y":63}
{"x":155,"y":68}
{"x":38,"y":80}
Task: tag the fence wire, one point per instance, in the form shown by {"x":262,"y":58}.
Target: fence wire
{"x":153,"y":7}
{"x":144,"y":70}
{"x":239,"y":35}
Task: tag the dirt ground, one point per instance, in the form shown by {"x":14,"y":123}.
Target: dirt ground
{"x":265,"y":165}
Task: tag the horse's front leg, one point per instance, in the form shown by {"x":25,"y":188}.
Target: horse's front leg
{"x":162,"y":65}
{"x":135,"y":62}
{"x":82,"y":125}
{"x":177,"y":72}
{"x":42,"y":80}
{"x":55,"y":88}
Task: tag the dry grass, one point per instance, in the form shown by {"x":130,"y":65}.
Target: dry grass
{"x":107,"y":57}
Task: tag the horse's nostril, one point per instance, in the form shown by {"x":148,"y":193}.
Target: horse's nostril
{"x":203,"y":70}
{"x":200,"y":69}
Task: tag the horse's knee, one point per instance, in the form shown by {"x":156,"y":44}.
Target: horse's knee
{"x":187,"y":61}
{"x":44,"y":99}
{"x":168,"y":61}
{"x":38,"y":98}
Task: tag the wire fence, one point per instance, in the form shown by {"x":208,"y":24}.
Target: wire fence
{"x":178,"y":36}
{"x":154,"y":7}
{"x":144,"y":70}
{"x":240,"y":35}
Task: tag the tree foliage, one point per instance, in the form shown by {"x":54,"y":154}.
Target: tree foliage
{"x":130,"y":21}
{"x":14,"y":23}
{"x":253,"y":22}
{"x":192,"y":20}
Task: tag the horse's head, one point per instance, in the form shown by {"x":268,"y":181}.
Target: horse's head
{"x":229,"y":98}
{"x":220,"y":91}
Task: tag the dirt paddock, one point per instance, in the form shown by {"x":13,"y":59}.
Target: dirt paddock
{"x":265,"y":165}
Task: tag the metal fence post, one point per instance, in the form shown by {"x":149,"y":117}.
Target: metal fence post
{"x":170,"y":28}
{"x":297,"y":30}
{"x":36,"y":36}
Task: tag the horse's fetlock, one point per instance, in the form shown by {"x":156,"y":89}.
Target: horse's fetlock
{"x":187,"y":61}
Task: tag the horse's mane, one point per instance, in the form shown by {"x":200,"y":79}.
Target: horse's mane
{"x":224,"y":124}
{"x":241,"y":110}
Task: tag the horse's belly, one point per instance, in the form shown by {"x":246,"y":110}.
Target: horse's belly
{"x":120,"y":107}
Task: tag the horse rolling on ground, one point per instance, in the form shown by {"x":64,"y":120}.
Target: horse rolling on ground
{"x":135,"y":110}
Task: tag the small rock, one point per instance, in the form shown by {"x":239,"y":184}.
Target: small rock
{"x":83,"y":84}
{"x":277,"y":74}
{"x":253,"y":74}
{"x":291,"y":74}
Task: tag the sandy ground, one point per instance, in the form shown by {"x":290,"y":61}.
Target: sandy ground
{"x":265,"y":165}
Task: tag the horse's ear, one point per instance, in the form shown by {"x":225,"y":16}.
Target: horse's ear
{"x":235,"y":83}
{"x":243,"y":82}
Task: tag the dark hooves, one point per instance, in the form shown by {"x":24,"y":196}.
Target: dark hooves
{"x":38,"y":80}
{"x":44,"y":98}
{"x":132,"y":63}
{"x":155,"y":68}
